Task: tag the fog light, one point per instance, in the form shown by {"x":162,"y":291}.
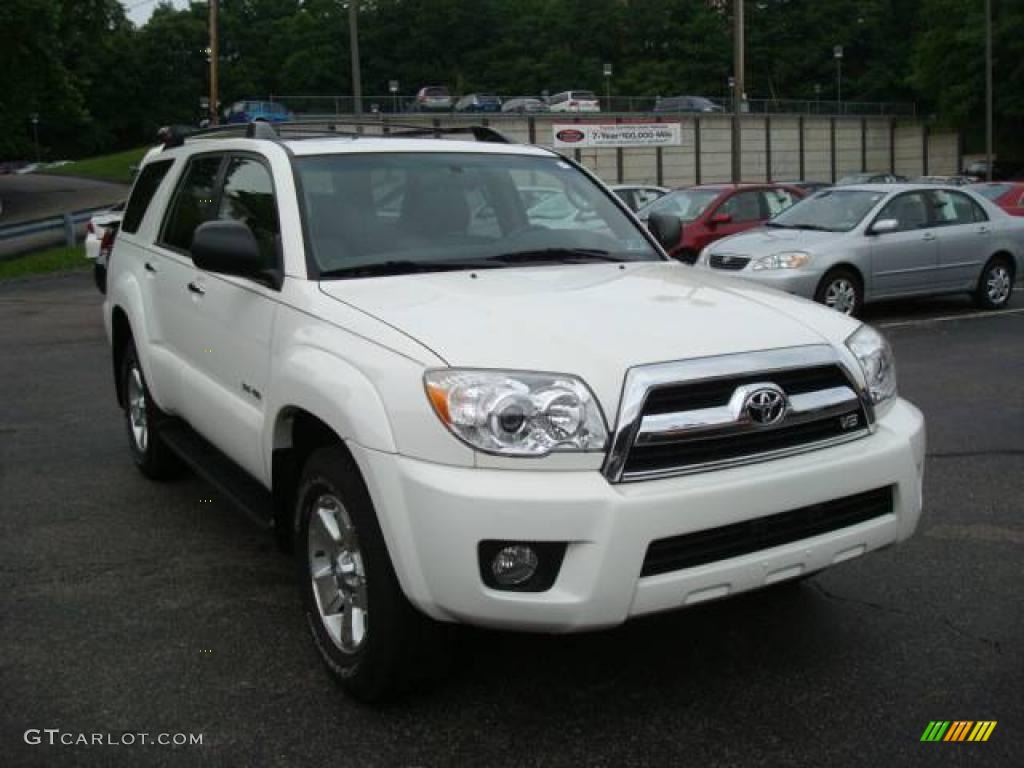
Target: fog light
{"x":514,"y":564}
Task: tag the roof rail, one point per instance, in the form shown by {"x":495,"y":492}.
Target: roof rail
{"x":323,"y":129}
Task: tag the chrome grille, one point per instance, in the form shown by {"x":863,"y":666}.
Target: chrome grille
{"x":694,"y":416}
{"x":728,"y":261}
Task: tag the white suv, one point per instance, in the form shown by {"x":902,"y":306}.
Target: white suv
{"x":452,"y":413}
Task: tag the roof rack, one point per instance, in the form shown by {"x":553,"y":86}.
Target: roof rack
{"x":328,"y":129}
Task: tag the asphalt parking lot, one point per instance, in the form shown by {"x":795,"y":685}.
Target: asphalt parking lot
{"x":127,"y":606}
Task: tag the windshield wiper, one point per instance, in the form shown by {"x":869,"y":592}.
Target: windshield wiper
{"x":777,"y":225}
{"x":811,"y":227}
{"x":556,"y":255}
{"x":406,"y":267}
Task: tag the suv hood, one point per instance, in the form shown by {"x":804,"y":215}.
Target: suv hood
{"x":595,"y":321}
{"x":765,"y":241}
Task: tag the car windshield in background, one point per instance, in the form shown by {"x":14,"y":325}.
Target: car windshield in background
{"x":831,"y":210}
{"x":388,"y":213}
{"x":991,"y":191}
{"x":687,"y":204}
{"x":856,"y":178}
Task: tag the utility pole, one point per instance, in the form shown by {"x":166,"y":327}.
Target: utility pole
{"x":214,"y":61}
{"x":837,"y":52}
{"x":988,"y":90}
{"x":353,"y":34}
{"x":739,"y":75}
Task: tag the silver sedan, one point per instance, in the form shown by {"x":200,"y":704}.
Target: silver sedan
{"x":847,"y":246}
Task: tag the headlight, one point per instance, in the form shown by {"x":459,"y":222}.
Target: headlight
{"x":785,"y":260}
{"x":516,"y":413}
{"x":876,"y":360}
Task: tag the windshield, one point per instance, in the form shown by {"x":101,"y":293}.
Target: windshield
{"x":831,"y":210}
{"x":687,"y":204}
{"x":412,"y":211}
{"x":584,"y":96}
{"x":991,"y":191}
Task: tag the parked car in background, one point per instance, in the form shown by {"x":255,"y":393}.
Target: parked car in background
{"x":257,"y":111}
{"x":807,"y":187}
{"x":1002,"y":170}
{"x":713,"y":211}
{"x":870,"y":177}
{"x":99,"y":239}
{"x":524,"y":104}
{"x":687,"y":104}
{"x":952,"y":181}
{"x":1008,"y":195}
{"x":432,"y":98}
{"x":848,"y":246}
{"x":574,"y":101}
{"x":636,"y":196}
{"x":478,"y":102}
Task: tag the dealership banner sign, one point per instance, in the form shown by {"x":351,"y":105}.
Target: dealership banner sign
{"x":580,"y":135}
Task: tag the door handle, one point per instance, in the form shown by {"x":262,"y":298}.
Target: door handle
{"x":983,"y":230}
{"x":150,"y":267}
{"x":928,"y":236}
{"x":196,"y":288}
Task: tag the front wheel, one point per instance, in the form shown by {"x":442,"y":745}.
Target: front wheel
{"x":995,"y":286}
{"x":841,"y":290}
{"x":141,"y":415}
{"x":368,"y":634}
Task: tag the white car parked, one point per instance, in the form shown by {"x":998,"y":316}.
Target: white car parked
{"x":451,"y":412}
{"x":574,"y":101}
{"x":99,"y":240}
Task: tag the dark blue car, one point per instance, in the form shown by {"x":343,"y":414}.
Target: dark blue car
{"x":251,"y":111}
{"x":478,"y":102}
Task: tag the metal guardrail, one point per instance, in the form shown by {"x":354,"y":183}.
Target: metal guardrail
{"x":65,"y":221}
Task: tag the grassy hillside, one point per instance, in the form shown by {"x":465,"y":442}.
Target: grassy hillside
{"x":115,"y":167}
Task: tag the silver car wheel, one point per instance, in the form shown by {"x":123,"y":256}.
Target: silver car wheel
{"x":841,"y":296}
{"x":137,"y":409}
{"x":337,"y":573}
{"x":998,"y":284}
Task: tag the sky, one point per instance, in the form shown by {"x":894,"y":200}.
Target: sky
{"x":139,"y":11}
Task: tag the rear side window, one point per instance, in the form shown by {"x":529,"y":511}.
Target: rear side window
{"x":142,"y":193}
{"x":193,"y":202}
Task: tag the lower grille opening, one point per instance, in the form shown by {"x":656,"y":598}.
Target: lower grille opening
{"x":709,"y":546}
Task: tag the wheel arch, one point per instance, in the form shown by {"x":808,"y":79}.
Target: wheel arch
{"x":120,"y":335}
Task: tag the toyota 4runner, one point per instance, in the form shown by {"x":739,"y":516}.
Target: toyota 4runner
{"x":456,"y":406}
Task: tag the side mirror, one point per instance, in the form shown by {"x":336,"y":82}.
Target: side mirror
{"x":667,"y":229}
{"x":230,"y":248}
{"x":882,"y":226}
{"x":720,"y":218}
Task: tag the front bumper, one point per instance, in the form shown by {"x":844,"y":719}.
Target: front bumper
{"x":434,"y":516}
{"x":799,"y":282}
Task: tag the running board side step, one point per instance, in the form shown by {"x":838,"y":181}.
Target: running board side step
{"x":231,"y":482}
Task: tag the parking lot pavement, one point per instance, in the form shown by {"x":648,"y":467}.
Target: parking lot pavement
{"x":132,"y":607}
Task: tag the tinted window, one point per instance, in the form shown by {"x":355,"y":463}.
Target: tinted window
{"x":584,"y":96}
{"x":142,"y":193}
{"x":910,"y":210}
{"x":955,"y":208}
{"x":248,"y":197}
{"x":193,"y":202}
{"x":743,"y":206}
{"x":644,"y":196}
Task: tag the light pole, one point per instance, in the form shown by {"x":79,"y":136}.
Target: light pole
{"x":817,"y":98}
{"x":608,"y":87}
{"x":353,"y":35}
{"x":988,"y":90}
{"x":837,"y":53}
{"x":34,"y":117}
{"x":214,"y":60}
{"x":739,"y":73}
{"x":393,"y":90}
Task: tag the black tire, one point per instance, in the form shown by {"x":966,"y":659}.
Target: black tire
{"x":398,"y":647}
{"x":995,"y":286}
{"x":841,"y":289}
{"x":153,"y":458}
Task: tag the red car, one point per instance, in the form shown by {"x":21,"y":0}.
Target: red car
{"x":1008,"y":195}
{"x":710,"y":212}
